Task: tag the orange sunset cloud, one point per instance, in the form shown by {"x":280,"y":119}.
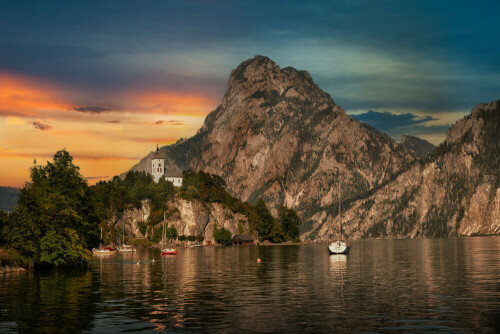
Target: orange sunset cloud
{"x":37,"y":119}
{"x":21,"y":96}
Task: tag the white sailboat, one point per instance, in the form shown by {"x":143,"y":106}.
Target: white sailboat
{"x":339,"y":246}
{"x":123,"y":247}
{"x":164,"y":249}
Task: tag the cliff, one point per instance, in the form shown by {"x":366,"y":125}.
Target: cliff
{"x":456,"y":191}
{"x":188,"y":218}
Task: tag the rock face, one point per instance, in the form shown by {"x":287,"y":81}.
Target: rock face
{"x":276,"y":135}
{"x":188,"y":218}
{"x":422,"y":148}
{"x":456,"y":191}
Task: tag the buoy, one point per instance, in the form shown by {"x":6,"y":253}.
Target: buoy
{"x":258,"y":260}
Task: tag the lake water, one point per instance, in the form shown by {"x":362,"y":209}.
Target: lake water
{"x":423,"y":285}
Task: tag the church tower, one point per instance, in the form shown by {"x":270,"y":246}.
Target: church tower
{"x":158,"y":165}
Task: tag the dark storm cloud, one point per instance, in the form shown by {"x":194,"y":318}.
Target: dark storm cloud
{"x":396,"y":125}
{"x":439,"y":56}
{"x":41,"y":125}
{"x":385,"y":121}
{"x":92,"y":109}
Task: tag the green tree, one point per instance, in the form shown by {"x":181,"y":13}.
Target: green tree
{"x":54,"y":222}
{"x":289,"y":221}
{"x":222,"y":236}
{"x":266,"y":221}
{"x":171,"y":233}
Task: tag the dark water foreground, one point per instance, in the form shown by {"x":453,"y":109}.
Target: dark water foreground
{"x":441,"y":285}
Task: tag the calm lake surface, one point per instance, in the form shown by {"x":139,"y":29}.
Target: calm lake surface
{"x":423,"y":285}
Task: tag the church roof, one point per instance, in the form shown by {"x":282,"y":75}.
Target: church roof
{"x":158,"y":155}
{"x":173,"y":173}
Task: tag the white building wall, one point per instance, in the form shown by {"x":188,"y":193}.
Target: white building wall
{"x":177,"y":181}
{"x":157,"y":169}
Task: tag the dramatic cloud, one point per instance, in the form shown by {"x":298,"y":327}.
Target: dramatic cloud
{"x":396,"y":125}
{"x":91,"y":109}
{"x":40,"y":125}
{"x":385,"y":121}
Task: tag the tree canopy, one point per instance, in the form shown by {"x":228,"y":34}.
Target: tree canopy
{"x":54,"y":222}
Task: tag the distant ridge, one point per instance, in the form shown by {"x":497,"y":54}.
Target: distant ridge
{"x":8,"y":198}
{"x":421,"y":147}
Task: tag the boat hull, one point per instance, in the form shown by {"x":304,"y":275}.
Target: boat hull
{"x":169,"y":252}
{"x":339,"y":248}
{"x":126,"y":249}
{"x":103,"y":252}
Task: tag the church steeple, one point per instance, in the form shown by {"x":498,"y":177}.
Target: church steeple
{"x":157,"y":147}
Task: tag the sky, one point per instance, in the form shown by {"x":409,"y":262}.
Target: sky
{"x":107,"y":80}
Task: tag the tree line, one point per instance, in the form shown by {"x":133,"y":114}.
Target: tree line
{"x":59,"y":218}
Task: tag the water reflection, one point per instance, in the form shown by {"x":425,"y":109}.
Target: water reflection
{"x":383,"y":285}
{"x":48,"y":301}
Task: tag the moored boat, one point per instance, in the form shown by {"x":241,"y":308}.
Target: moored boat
{"x":126,"y":249}
{"x":339,"y":246}
{"x":169,"y":251}
{"x":106,"y":250}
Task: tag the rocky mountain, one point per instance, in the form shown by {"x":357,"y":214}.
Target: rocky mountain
{"x":278,"y":136}
{"x":456,"y":191}
{"x":421,"y":147}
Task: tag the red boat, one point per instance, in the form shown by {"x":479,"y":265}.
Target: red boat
{"x":169,"y":251}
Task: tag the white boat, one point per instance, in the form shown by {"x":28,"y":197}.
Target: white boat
{"x":126,"y":249}
{"x":123,"y":248}
{"x":339,"y":246}
{"x":106,"y":250}
{"x":164,"y":249}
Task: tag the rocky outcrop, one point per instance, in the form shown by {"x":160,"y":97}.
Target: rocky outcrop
{"x":422,"y":148}
{"x":187,"y":217}
{"x":194,"y":218}
{"x":276,"y":135}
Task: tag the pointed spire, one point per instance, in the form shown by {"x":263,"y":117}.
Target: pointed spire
{"x":156,"y":146}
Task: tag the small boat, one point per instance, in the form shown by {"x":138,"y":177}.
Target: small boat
{"x":169,"y":251}
{"x":126,"y":249}
{"x":196,"y":245}
{"x":339,"y":246}
{"x":106,"y":250}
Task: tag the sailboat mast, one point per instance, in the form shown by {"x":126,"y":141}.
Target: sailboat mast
{"x":340,"y":200}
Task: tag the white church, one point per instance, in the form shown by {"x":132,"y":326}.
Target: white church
{"x":158,"y":170}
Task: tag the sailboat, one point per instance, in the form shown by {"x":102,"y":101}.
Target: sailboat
{"x":123,"y":247}
{"x":164,"y":249}
{"x":104,"y":250}
{"x":339,"y":246}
